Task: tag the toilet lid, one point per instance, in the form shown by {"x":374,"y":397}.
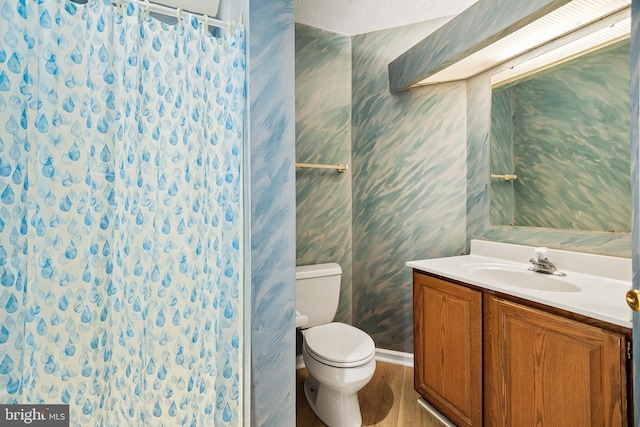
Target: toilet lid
{"x":339,"y":343}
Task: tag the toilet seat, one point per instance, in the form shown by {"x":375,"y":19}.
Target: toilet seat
{"x":339,"y":345}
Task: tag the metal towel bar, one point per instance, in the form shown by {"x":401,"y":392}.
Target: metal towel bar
{"x":340,"y":167}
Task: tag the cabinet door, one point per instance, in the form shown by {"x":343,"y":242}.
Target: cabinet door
{"x":448,"y":348}
{"x":546,"y":370}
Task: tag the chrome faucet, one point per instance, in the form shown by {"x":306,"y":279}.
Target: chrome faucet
{"x":541,"y":263}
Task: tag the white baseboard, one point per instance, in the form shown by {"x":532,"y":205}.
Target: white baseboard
{"x":395,"y":357}
{"x":382,"y":355}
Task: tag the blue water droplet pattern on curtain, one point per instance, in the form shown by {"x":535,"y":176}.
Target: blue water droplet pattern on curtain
{"x":120,"y":222}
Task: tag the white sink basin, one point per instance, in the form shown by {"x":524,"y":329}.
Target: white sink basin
{"x":521,"y":278}
{"x":595,"y":285}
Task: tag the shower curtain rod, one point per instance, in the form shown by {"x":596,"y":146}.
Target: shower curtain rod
{"x":177,"y":12}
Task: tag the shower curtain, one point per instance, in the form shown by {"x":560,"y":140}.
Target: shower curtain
{"x":120,"y":214}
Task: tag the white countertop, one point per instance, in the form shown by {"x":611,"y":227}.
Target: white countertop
{"x":595,"y":285}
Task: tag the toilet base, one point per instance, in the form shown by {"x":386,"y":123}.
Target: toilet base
{"x":334,"y":408}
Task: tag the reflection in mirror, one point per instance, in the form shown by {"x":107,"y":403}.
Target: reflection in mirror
{"x":564,"y":132}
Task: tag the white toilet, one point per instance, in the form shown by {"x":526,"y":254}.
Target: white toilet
{"x":339,"y":357}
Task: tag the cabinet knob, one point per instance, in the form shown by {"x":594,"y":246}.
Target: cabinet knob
{"x":633,"y":299}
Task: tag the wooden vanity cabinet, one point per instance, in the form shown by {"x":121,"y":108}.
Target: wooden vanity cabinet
{"x":448,"y":348}
{"x":547,"y":370}
{"x":482,"y":358}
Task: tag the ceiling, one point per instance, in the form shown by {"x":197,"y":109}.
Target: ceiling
{"x":351,"y":17}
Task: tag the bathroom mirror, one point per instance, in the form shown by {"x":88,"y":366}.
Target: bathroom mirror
{"x":560,"y":145}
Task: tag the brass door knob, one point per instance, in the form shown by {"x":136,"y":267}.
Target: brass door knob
{"x":633,"y":299}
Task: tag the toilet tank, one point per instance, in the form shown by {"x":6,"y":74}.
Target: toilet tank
{"x":318,"y":292}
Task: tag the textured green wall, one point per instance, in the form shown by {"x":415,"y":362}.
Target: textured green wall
{"x":271,"y":180}
{"x":323,"y":135}
{"x":404,"y":197}
{"x":409,"y":181}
